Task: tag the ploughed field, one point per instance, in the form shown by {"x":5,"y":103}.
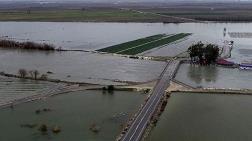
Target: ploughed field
{"x":144,"y":44}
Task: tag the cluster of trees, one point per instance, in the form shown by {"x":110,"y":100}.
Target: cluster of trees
{"x":33,"y":74}
{"x":203,"y":54}
{"x":25,"y":45}
{"x":109,"y":88}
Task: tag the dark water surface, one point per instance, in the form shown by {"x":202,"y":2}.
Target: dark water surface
{"x":202,"y":117}
{"x":214,"y":77}
{"x":74,"y":113}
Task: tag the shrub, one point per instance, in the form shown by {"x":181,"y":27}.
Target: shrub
{"x":25,"y":45}
{"x":111,"y":88}
{"x":43,"y":77}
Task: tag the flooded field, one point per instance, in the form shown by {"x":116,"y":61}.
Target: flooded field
{"x":90,"y":36}
{"x":211,"y":76}
{"x":81,"y":66}
{"x":12,"y":89}
{"x":75,"y":113}
{"x":202,"y":117}
{"x":95,"y":68}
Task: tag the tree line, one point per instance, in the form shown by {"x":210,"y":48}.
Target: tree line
{"x":23,"y":73}
{"x":25,"y":45}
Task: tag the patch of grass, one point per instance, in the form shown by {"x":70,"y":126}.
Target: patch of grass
{"x":127,"y":45}
{"x":155,"y":44}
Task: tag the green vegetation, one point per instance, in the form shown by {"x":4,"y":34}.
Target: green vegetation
{"x":127,"y":45}
{"x":144,"y":44}
{"x":88,"y":15}
{"x":203,"y":54}
{"x":172,"y":13}
{"x":155,"y":44}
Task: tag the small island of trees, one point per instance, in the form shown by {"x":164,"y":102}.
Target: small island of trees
{"x":203,"y":54}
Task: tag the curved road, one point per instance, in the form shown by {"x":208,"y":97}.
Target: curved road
{"x":140,"y":123}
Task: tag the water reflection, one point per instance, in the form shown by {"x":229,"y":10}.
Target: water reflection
{"x":198,"y":74}
{"x":214,"y":77}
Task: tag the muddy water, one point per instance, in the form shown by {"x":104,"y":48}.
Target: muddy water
{"x":81,"y":66}
{"x":74,"y":113}
{"x":93,"y":36}
{"x":214,"y":77}
{"x":202,"y":117}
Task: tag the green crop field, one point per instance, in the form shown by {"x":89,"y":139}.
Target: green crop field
{"x":127,"y":45}
{"x":155,"y":44}
{"x":144,"y":44}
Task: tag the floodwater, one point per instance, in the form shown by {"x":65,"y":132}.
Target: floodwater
{"x":214,"y":77}
{"x":81,"y":66}
{"x":105,"y":69}
{"x":203,"y":117}
{"x":12,"y":89}
{"x":92,"y":36}
{"x":74,"y":113}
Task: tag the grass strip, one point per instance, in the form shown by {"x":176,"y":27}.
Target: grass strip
{"x":128,"y":45}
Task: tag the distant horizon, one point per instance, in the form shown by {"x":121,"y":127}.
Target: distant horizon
{"x":126,"y":1}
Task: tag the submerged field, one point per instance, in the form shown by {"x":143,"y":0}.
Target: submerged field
{"x":144,"y":44}
{"x":81,"y":66}
{"x":203,"y":117}
{"x":214,"y":77}
{"x":12,"y":89}
{"x":74,"y":113}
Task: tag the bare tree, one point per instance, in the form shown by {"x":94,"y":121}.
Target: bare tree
{"x":31,"y":74}
{"x":36,"y":73}
{"x":22,"y":73}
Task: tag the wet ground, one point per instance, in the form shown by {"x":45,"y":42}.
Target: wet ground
{"x":12,"y":89}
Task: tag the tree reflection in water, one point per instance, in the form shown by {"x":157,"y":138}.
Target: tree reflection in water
{"x":201,"y":74}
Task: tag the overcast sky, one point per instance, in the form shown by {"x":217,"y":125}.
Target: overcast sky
{"x":124,"y":0}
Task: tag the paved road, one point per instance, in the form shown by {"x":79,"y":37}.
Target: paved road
{"x":138,"y":126}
